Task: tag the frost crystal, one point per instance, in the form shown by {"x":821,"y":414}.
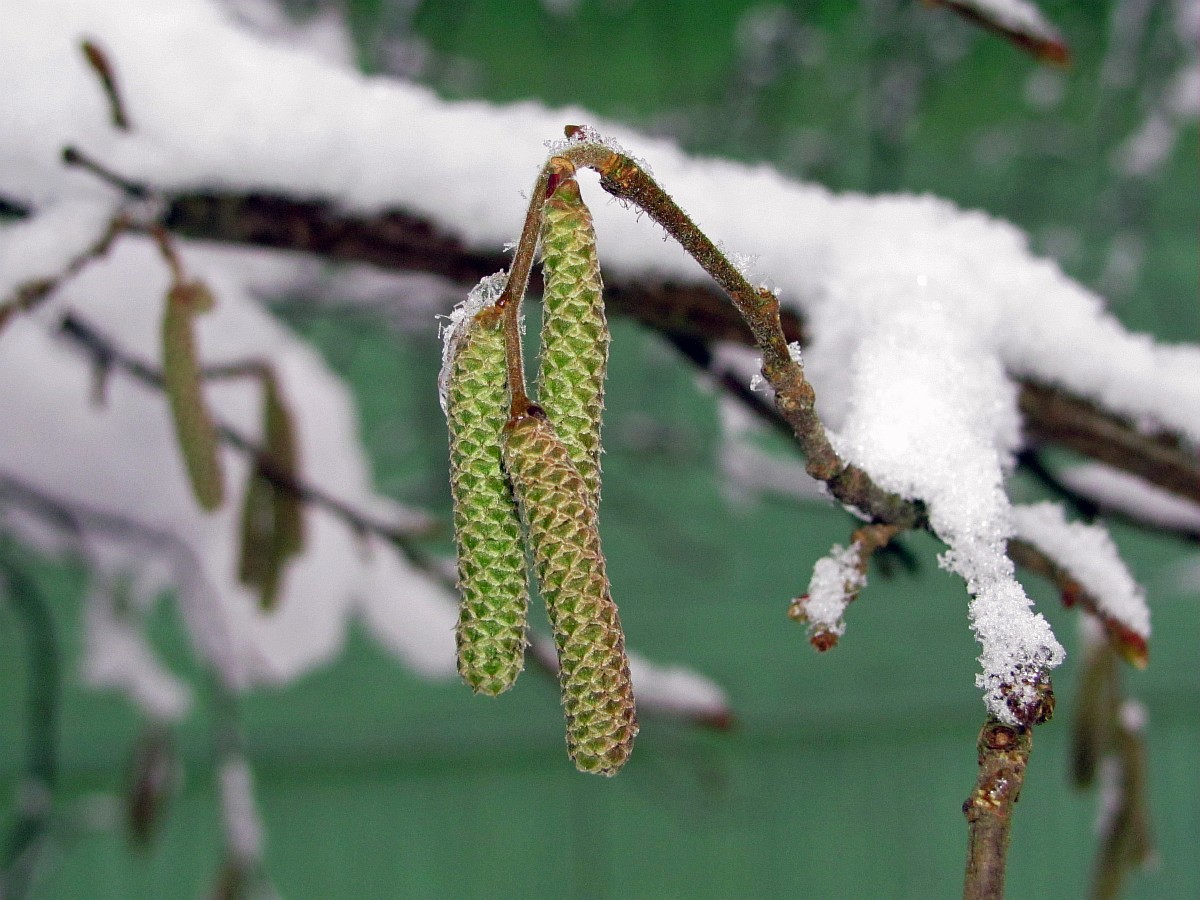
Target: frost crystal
{"x":584,"y":134}
{"x":1018,"y":649}
{"x":759,"y":383}
{"x":743,"y":262}
{"x":587,"y":134}
{"x":486,"y":293}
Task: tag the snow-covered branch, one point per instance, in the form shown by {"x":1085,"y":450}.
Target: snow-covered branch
{"x":913,"y":348}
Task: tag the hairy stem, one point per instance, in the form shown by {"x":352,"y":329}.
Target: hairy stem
{"x":759,"y":307}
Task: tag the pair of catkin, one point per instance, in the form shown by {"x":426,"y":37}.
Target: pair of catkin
{"x":532,"y":475}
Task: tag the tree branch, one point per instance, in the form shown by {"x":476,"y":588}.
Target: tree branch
{"x":694,"y":314}
{"x":1003,"y":755}
{"x":1132,"y":646}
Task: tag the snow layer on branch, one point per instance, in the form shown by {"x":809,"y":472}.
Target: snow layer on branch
{"x":117,"y":655}
{"x":679,"y":690}
{"x":836,"y":578}
{"x":239,"y":811}
{"x":1129,"y":495}
{"x":1090,"y":556}
{"x":1017,"y":16}
{"x":484,"y":294}
{"x":921,"y":313}
{"x":674,"y":690}
{"x":216,"y":106}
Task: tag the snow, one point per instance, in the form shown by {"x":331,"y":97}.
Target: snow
{"x":836,"y":579}
{"x":677,"y":689}
{"x":672,"y":689}
{"x":1123,"y":493}
{"x":117,"y":655}
{"x":922,"y":314}
{"x":1020,"y":16}
{"x":484,"y":294}
{"x":239,"y":813}
{"x":749,"y":471}
{"x":1089,"y":555}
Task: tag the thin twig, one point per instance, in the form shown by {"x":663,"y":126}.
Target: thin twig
{"x":74,"y":157}
{"x":31,"y":294}
{"x":1161,"y":459}
{"x":795,"y":399}
{"x":865,"y":542}
{"x":1132,"y":646}
{"x":101,"y":63}
{"x":79,"y":521}
{"x":1047,"y":47}
{"x":1003,"y":755}
{"x":1030,"y":460}
{"x":518,"y":283}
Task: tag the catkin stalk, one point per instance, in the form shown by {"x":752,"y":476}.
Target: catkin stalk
{"x":491,"y":553}
{"x":597,"y":695}
{"x":575,"y":336}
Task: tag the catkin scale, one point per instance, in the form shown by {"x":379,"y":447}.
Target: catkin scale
{"x":575,"y":336}
{"x":560,"y":520}
{"x":487,"y":530}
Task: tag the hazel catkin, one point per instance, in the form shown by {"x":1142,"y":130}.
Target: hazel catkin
{"x":491,"y":556}
{"x":560,"y":520}
{"x":575,"y":336}
{"x":183,"y":385}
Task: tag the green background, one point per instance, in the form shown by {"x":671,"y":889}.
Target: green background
{"x":844,"y":774}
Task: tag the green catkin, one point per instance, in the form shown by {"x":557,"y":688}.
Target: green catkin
{"x":575,"y":337}
{"x":560,"y":519}
{"x":491,"y":553}
{"x":272,"y":517}
{"x":183,"y":385}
